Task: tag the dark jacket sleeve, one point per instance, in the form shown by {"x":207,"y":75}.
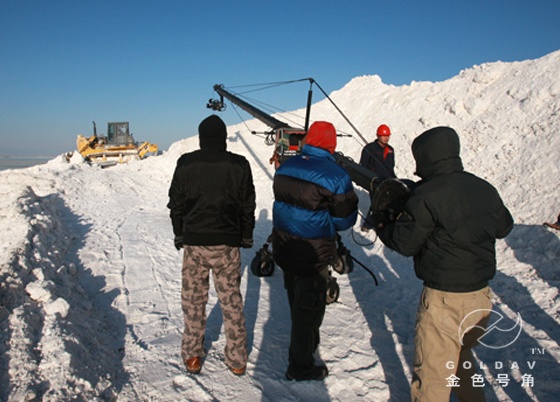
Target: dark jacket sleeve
{"x":176,"y":204}
{"x":505,"y":222}
{"x":248,"y":204}
{"x":365,"y":157}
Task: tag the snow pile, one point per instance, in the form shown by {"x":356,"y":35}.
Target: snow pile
{"x":90,"y":280}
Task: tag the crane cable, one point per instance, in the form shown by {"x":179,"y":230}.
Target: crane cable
{"x":266,"y":106}
{"x":264,"y":86}
{"x":339,"y":111}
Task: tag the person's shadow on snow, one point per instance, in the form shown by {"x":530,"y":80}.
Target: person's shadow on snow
{"x":94,"y":331}
{"x":520,"y":367}
{"x":389,"y":310}
{"x":540,"y":248}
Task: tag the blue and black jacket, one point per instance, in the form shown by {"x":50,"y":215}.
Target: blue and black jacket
{"x":314,"y":198}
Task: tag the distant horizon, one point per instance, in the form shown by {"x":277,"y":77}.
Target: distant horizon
{"x":22,"y":162}
{"x":27,"y":157}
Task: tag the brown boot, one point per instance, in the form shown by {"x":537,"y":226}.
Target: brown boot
{"x":193,"y":365}
{"x":238,"y":371}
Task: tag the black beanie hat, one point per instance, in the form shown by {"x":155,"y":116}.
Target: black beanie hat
{"x":212,"y":133}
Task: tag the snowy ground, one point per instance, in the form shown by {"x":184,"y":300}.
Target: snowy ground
{"x":90,"y":280}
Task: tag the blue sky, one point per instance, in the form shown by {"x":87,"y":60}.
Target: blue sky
{"x":64,"y":64}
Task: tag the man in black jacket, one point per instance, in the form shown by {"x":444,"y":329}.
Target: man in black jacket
{"x":212,"y":204}
{"x":450,"y":224}
{"x":379,"y":157}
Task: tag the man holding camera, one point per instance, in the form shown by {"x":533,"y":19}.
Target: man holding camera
{"x":449,"y":225}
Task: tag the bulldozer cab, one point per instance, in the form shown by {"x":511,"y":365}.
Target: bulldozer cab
{"x":118,"y":134}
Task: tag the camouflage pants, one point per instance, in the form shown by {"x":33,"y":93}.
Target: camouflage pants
{"x":225,"y":264}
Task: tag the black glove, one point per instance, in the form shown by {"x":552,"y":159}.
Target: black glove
{"x":381,"y":218}
{"x":375,"y":219}
{"x":247,"y":243}
{"x":178,"y":242}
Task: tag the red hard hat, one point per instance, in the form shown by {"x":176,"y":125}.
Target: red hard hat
{"x":383,"y":130}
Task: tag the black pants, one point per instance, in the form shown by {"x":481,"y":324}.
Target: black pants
{"x":307,"y":297}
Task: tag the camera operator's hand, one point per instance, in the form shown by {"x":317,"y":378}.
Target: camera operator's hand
{"x":381,"y":218}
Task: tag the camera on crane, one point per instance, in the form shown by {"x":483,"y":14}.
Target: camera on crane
{"x":216,"y":105}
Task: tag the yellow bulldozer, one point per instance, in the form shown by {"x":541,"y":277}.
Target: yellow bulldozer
{"x":118,"y":146}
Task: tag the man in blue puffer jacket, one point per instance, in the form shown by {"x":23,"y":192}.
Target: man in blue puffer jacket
{"x":314,"y":199}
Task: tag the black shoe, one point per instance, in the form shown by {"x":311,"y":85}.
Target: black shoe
{"x":317,"y":374}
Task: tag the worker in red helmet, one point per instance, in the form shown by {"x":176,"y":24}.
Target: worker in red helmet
{"x":378,"y":156}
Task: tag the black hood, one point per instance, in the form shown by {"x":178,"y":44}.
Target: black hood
{"x":212,"y":133}
{"x":436,"y":151}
